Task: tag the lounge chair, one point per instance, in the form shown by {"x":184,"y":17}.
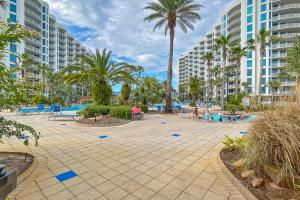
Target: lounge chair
{"x":39,"y":109}
{"x":53,"y":108}
{"x":62,"y":115}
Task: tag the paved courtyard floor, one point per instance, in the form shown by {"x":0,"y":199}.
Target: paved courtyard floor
{"x":139,"y":160}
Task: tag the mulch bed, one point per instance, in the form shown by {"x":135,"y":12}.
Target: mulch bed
{"x":102,"y":121}
{"x":16,"y":161}
{"x":264,"y":192}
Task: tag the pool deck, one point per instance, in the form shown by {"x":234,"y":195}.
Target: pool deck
{"x":163,"y":157}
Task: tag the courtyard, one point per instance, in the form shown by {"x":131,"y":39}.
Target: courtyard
{"x":162,"y":157}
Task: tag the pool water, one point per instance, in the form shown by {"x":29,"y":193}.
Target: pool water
{"x":75,"y":107}
{"x":224,"y":118}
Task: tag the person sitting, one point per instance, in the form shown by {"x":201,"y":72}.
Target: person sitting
{"x":136,"y":111}
{"x":195,"y":112}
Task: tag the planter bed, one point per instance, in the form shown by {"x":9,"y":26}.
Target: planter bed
{"x":103,"y":121}
{"x":16,"y":161}
{"x":265,"y":191}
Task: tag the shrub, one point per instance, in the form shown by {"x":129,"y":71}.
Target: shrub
{"x":275,"y":140}
{"x":238,"y":143}
{"x":144,"y":108}
{"x":94,"y":111}
{"x":39,"y":99}
{"x":232,"y":108}
{"x":122,"y":112}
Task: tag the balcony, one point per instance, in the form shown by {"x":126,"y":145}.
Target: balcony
{"x":291,"y":17}
{"x":32,"y":14}
{"x":32,"y":24}
{"x":286,"y":7}
{"x":279,"y":55}
{"x":32,"y":49}
{"x":282,"y":45}
{"x":32,"y":5}
{"x":234,"y":14}
{"x":33,"y":40}
{"x":288,"y":35}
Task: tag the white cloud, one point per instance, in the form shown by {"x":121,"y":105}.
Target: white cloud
{"x":118,"y":26}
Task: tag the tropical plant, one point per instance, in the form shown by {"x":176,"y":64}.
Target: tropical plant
{"x":98,"y":70}
{"x":273,"y":84}
{"x":169,"y":13}
{"x":216,"y":80}
{"x":209,"y":58}
{"x":148,"y":91}
{"x":182,"y":89}
{"x":263,"y":39}
{"x":10,"y":90}
{"x":223,"y":43}
{"x":237,"y":53}
{"x":293,"y":62}
{"x":195,"y":88}
{"x":125,"y":92}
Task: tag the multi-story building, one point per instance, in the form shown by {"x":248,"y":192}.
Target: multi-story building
{"x":243,"y":20}
{"x":52,"y":44}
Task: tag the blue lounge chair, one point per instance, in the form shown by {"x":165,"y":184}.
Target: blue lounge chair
{"x":62,"y":115}
{"x":53,"y":108}
{"x":40,"y":108}
{"x":25,"y":110}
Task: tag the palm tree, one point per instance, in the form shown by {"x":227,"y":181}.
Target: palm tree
{"x":273,"y":84}
{"x":169,"y":13}
{"x":100,"y":71}
{"x":293,"y":62}
{"x":237,"y":54}
{"x":215,"y":72}
{"x":195,"y":88}
{"x":3,"y":3}
{"x":263,"y":39}
{"x":208,"y":58}
{"x":223,"y":43}
{"x":229,"y":71}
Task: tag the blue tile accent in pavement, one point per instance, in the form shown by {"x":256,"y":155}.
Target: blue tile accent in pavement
{"x":243,"y":133}
{"x":176,"y":135}
{"x":66,"y":176}
{"x":103,"y":136}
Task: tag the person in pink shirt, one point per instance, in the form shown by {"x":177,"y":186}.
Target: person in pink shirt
{"x":136,"y":110}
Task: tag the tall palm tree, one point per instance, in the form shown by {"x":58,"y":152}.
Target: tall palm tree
{"x":208,"y":58}
{"x":237,"y":54}
{"x":215,"y":72}
{"x":195,"y":88}
{"x":263,"y":39}
{"x":169,"y":13}
{"x":3,"y":3}
{"x":99,"y":70}
{"x":273,"y":84}
{"x":223,"y":43}
{"x":293,"y":61}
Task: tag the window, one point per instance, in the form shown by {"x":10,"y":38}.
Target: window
{"x":263,"y":8}
{"x":44,"y":26}
{"x":44,"y":9}
{"x":249,"y":36}
{"x":249,"y":10}
{"x":249,"y":90}
{"x":44,"y":42}
{"x":249,"y":72}
{"x":263,"y":25}
{"x":249,"y":28}
{"x":264,"y":72}
{"x":13,"y":58}
{"x":44,"y":50}
{"x":264,"y":62}
{"x":263,"y":81}
{"x":13,"y":18}
{"x":263,"y":89}
{"x":249,"y":54}
{"x":14,"y":1}
{"x":13,"y":8}
{"x":263,"y":1}
{"x":249,"y":2}
{"x":44,"y":17}
{"x":263,"y":16}
{"x":13,"y":48}
{"x":44,"y":58}
{"x":249,"y":81}
{"x":249,"y":19}
{"x":249,"y":63}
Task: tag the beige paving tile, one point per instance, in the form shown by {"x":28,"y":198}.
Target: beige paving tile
{"x":211,"y":195}
{"x":89,"y":195}
{"x":48,"y":182}
{"x":80,"y":188}
{"x":170,"y":192}
{"x":96,"y":181}
{"x":120,"y":180}
{"x":142,"y":179}
{"x":155,"y":185}
{"x":187,"y":196}
{"x":53,"y":189}
{"x":179,"y":184}
{"x":73,"y":181}
{"x":63,"y":195}
{"x":196,"y":191}
{"x":143,"y":193}
{"x":38,"y":195}
{"x":159,"y":197}
{"x":105,"y":187}
{"x":166,"y":178}
{"x":116,"y":194}
{"x":132,"y":173}
{"x":131,"y":186}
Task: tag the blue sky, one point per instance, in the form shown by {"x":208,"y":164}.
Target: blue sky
{"x":118,"y":26}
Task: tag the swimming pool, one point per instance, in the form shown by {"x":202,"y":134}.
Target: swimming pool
{"x":226,"y":118}
{"x":75,"y":107}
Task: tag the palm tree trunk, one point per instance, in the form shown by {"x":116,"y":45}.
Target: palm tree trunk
{"x":262,"y":53}
{"x":223,"y":82}
{"x":237,"y":79}
{"x":170,"y":73}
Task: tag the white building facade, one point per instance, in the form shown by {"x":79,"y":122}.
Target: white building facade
{"x":52,"y":45}
{"x":243,"y":20}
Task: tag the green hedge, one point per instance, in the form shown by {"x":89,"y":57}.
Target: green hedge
{"x":122,"y":112}
{"x":143,"y":108}
{"x":94,"y":111}
{"x":40,"y":99}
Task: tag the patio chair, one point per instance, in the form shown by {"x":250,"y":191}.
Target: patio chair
{"x":137,"y":116}
{"x":39,"y":109}
{"x":53,"y":108}
{"x":62,"y":115}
